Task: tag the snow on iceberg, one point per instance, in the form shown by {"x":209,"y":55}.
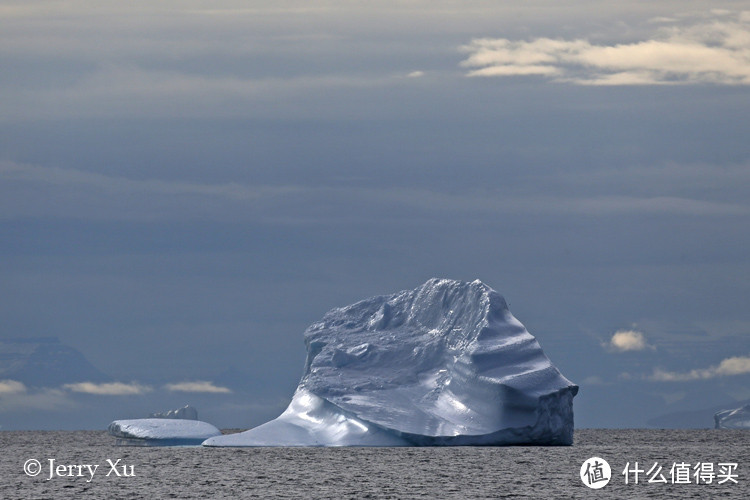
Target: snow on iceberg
{"x":738,"y":418}
{"x":443,"y":364}
{"x":187,"y":412}
{"x":161,"y":432}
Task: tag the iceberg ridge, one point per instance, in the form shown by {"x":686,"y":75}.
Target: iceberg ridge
{"x":739,"y":418}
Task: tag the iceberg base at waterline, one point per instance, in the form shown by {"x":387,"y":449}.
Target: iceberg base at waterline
{"x":445,"y":364}
{"x":161,"y":432}
{"x":739,"y":418}
{"x":311,"y":421}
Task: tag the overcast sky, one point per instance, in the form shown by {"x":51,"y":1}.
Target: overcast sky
{"x":186,"y":185}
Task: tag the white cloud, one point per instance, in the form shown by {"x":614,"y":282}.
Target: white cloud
{"x":415,"y":74}
{"x":11,"y":387}
{"x":197,"y":386}
{"x":108,"y":389}
{"x":662,"y":20}
{"x":738,"y":365}
{"x":38,"y":400}
{"x":707,"y":51}
{"x":627,"y":340}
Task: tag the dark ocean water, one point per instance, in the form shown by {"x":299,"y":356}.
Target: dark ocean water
{"x":507,"y":472}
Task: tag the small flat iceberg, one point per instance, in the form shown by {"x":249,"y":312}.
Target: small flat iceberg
{"x":161,"y":432}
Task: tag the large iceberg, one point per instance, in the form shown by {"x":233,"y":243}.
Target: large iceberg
{"x":738,"y":418}
{"x":443,"y":364}
{"x":161,"y":432}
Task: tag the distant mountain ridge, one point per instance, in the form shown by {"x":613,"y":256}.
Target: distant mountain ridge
{"x":45,"y":362}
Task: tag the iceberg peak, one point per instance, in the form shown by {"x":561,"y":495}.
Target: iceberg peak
{"x":443,"y":364}
{"x":187,"y":412}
